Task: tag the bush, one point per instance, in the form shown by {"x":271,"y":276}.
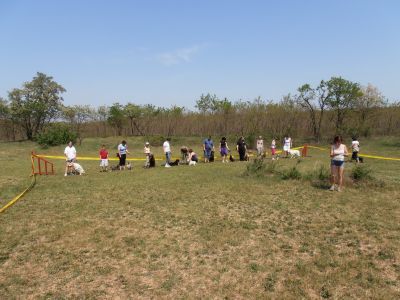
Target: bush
{"x":260,"y":167}
{"x":362,"y":177}
{"x":257,"y":167}
{"x":292,"y":173}
{"x":321,"y":173}
{"x":361,"y":173}
{"x":56,"y":134}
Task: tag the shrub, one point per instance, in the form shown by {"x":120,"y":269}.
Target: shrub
{"x":256,"y":167}
{"x":56,"y":134}
{"x":291,"y":173}
{"x":361,"y":173}
{"x":260,"y":167}
{"x":320,"y":172}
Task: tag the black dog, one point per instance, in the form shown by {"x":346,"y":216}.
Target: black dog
{"x":152,"y":161}
{"x":174,"y":163}
{"x":114,"y":168}
{"x":211,"y":157}
{"x":231,"y":159}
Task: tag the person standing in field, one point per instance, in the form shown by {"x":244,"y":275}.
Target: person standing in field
{"x":260,"y":146}
{"x":241,"y":147}
{"x":208,"y":147}
{"x":70,"y":156}
{"x":223,"y":149}
{"x":147,"y":152}
{"x":287,"y":144}
{"x":337,"y":154}
{"x":103,"y":153}
{"x":355,"y":148}
{"x":122,"y":152}
{"x":273,"y":148}
{"x":167,"y":151}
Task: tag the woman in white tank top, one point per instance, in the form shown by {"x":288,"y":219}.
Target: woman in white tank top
{"x":287,"y":144}
{"x":338,"y":153}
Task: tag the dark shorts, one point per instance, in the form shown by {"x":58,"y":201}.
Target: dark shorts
{"x":337,"y":163}
{"x":224,"y":151}
{"x":122,"y":159}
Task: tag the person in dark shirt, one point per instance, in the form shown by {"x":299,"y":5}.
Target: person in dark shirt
{"x":241,"y":148}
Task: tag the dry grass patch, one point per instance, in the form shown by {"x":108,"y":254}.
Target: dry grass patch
{"x":202,"y":232}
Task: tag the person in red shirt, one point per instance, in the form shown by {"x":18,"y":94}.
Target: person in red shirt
{"x":103,"y":159}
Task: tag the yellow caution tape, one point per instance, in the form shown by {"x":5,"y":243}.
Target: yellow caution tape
{"x":362,"y":155}
{"x":161,"y":159}
{"x":379,"y":157}
{"x":33,"y":182}
{"x":93,"y":158}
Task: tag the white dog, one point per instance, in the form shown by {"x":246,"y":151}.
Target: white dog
{"x":78,"y":168}
{"x":294,"y":153}
{"x":192,"y":163}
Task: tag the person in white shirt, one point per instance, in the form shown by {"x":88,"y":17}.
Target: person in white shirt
{"x":355,"y":148}
{"x":147,"y":152}
{"x":70,"y":156}
{"x":338,"y":153}
{"x":287,"y":144}
{"x":167,"y":151}
{"x":122,"y":151}
{"x":260,"y":146}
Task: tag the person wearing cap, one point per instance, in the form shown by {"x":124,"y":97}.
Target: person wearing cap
{"x":147,"y":152}
{"x":260,"y":146}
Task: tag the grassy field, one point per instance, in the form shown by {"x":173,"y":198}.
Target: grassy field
{"x":197,"y":232}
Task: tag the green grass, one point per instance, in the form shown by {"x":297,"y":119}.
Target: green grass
{"x":197,"y":232}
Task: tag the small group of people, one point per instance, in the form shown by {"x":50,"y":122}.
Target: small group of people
{"x":191,"y":158}
{"x":338,"y":153}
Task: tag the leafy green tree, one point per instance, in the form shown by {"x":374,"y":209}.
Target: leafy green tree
{"x":102,"y":116}
{"x":342,"y":96}
{"x":314,"y":101}
{"x":116,"y":117}
{"x":207,"y":103}
{"x":77,"y":116}
{"x":4,"y":109}
{"x":134,"y":113}
{"x":36,"y":104}
{"x":367,"y":105}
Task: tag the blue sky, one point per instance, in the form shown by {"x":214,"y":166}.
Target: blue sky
{"x":170,"y":52}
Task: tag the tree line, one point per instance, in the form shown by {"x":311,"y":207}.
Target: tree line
{"x":335,"y":106}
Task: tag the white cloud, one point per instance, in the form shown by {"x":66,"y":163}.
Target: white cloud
{"x":183,"y":55}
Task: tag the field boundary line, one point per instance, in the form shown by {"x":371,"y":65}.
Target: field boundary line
{"x":16,"y":198}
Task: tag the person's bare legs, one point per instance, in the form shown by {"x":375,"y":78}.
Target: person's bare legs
{"x":340,"y":172}
{"x":333,"y":179}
